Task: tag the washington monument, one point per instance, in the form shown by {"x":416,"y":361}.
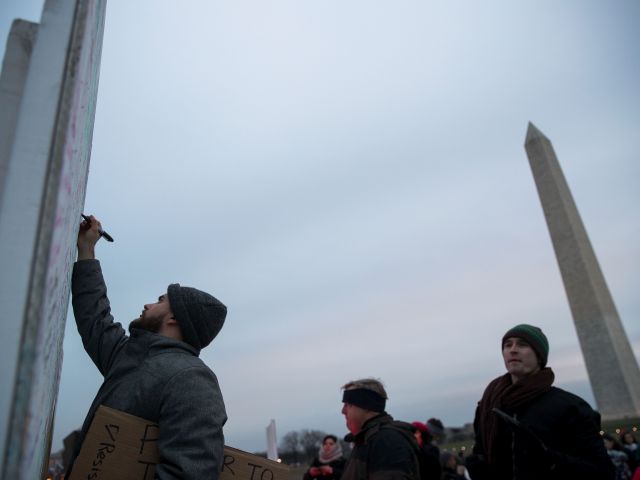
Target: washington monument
{"x":611,"y":365}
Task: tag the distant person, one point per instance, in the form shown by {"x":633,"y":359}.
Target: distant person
{"x":384,"y":449}
{"x":631,"y":448}
{"x":527,"y":429}
{"x":436,"y":431}
{"x":329,"y":464}
{"x":618,"y":457}
{"x":451,"y":470}
{"x":155,"y":373}
{"x":429,"y":457}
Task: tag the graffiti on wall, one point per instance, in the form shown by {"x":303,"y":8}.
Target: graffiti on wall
{"x":40,"y":356}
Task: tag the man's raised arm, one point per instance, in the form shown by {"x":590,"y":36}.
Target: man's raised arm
{"x":101,"y":337}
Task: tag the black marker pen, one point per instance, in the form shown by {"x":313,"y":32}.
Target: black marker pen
{"x":104,"y":234}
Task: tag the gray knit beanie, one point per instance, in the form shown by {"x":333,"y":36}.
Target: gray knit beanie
{"x":199,"y":314}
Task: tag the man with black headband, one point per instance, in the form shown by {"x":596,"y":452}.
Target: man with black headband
{"x":384,"y":449}
{"x":526,"y":429}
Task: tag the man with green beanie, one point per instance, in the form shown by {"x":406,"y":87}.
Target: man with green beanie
{"x":527,"y":429}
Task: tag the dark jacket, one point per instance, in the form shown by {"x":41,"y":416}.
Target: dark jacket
{"x":448,"y":474}
{"x":568,"y":427}
{"x":153,"y":377}
{"x":382,"y":452}
{"x":336,"y":465}
{"x":429,"y":460}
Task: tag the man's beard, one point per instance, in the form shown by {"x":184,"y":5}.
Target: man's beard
{"x":152,"y":325}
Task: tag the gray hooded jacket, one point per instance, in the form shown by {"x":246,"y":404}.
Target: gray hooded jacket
{"x":153,"y":377}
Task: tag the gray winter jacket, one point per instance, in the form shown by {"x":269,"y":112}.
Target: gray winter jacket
{"x":153,"y":377}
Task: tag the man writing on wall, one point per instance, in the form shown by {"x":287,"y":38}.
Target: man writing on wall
{"x":155,"y":372}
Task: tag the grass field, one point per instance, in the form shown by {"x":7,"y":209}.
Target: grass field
{"x":296,"y":473}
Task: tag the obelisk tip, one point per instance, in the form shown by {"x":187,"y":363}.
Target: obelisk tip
{"x":533,"y":133}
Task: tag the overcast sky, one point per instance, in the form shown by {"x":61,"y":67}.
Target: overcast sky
{"x":349,"y":178}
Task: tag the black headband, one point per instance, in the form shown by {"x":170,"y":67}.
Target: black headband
{"x":363,"y":398}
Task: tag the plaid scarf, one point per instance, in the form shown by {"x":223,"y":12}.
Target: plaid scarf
{"x":503,"y":394}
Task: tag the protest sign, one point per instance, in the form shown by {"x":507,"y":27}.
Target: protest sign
{"x":124,"y":447}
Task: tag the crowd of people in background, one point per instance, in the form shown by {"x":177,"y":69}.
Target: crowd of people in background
{"x":449,"y":464}
{"x":525,"y":428}
{"x":624,"y":454}
{"x":330,"y":461}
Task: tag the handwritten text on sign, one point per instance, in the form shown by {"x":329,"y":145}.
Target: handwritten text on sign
{"x":124,"y":447}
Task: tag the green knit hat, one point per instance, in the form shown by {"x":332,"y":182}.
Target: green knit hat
{"x":534,"y":337}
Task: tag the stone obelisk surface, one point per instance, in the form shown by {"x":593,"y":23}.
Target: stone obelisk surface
{"x":611,"y":365}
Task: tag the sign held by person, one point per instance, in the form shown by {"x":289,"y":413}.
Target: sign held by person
{"x":124,"y":447}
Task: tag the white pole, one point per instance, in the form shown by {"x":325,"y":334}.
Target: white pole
{"x":272,"y":444}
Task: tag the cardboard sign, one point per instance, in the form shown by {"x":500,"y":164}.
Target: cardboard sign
{"x":239,"y":465}
{"x":120,"y":446}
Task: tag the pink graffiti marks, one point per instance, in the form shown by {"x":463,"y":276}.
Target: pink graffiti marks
{"x":81,"y":92}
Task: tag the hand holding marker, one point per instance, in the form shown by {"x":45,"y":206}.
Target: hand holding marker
{"x":104,"y":234}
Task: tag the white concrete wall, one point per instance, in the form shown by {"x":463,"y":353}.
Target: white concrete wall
{"x":15,"y":66}
{"x":44,"y":186}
